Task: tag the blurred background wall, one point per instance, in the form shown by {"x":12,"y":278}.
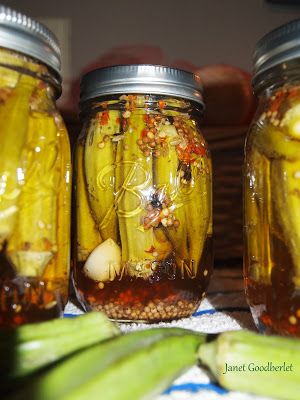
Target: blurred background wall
{"x":198,"y":31}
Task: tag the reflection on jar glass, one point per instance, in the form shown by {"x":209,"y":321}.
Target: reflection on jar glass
{"x":34,"y":178}
{"x":143,"y":203}
{"x":272,"y":187}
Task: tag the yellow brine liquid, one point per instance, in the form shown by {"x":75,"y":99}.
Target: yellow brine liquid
{"x":272,"y":214}
{"x":34,"y":194}
{"x":143,"y":204}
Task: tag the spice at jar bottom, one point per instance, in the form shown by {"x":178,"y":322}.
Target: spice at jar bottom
{"x":143,"y":200}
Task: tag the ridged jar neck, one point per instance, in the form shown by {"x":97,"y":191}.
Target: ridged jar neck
{"x":282,"y":75}
{"x":149,"y":103}
{"x":23,"y":64}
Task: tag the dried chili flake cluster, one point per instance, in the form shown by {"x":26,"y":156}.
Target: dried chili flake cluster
{"x":160,"y":212}
{"x":191,"y":146}
{"x":152,"y":138}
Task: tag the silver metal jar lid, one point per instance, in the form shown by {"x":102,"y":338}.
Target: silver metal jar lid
{"x":143,"y":78}
{"x":25,"y":35}
{"x":278,"y":46}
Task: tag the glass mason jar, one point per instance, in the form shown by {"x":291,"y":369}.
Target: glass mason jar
{"x":34,"y":174}
{"x":143,"y":194}
{"x":272,"y":186}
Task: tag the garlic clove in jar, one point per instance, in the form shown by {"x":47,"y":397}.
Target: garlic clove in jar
{"x":104,"y":262}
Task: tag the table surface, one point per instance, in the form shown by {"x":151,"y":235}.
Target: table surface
{"x":224,"y":308}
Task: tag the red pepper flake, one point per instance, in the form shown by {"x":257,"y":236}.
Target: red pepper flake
{"x":18,"y":320}
{"x":199,"y":150}
{"x":41,"y":85}
{"x":161,"y":104}
{"x":47,"y":244}
{"x":275,"y":105}
{"x":124,"y":124}
{"x":152,"y":248}
{"x":147,"y":118}
{"x":6,"y":92}
{"x":104,"y":118}
{"x":185,"y":154}
{"x":293,"y":93}
{"x":26,"y":246}
{"x":144,"y":132}
{"x":48,"y":297}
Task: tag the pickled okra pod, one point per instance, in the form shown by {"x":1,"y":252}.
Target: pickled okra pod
{"x":152,"y":228}
{"x":198,"y":206}
{"x":274,"y":143}
{"x":166,"y":174}
{"x":62,"y":258}
{"x":99,"y":159}
{"x":281,"y":142}
{"x":176,"y":169}
{"x":14,"y":113}
{"x":88,"y":235}
{"x":287,"y":205}
{"x":33,"y":244}
{"x":134,"y":175}
{"x":195,"y":188}
{"x":285,"y":181}
{"x":257,"y":194}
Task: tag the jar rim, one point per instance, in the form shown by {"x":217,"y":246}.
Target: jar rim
{"x":23,"y":34}
{"x":141,"y":79}
{"x":279,"y":75}
{"x":277,"y":47}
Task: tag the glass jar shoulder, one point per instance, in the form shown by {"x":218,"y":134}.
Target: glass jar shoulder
{"x":158,"y":120}
{"x":17,"y":69}
{"x":275,"y":131}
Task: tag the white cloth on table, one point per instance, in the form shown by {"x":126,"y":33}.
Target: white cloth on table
{"x":223,"y":309}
